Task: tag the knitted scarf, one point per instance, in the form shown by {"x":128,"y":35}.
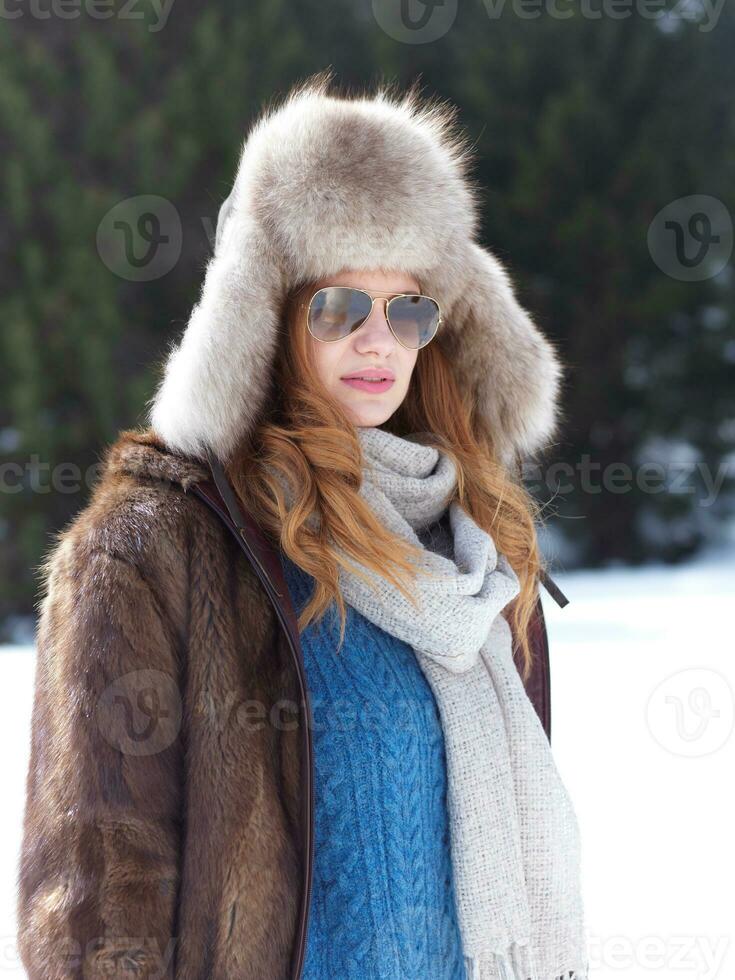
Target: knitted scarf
{"x":514,"y":834}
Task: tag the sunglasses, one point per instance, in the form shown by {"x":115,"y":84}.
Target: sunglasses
{"x":337,"y":311}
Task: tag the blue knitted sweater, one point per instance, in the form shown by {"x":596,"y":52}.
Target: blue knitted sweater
{"x":383,"y":900}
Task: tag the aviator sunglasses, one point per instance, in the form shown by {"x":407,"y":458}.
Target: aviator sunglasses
{"x":337,"y":311}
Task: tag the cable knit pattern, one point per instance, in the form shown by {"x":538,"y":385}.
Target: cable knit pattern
{"x":514,"y":839}
{"x":383,"y":902}
{"x":514,"y":835}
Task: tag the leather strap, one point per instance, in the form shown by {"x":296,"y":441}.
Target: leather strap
{"x":553,"y":589}
{"x":248,"y":529}
{"x":546,"y":580}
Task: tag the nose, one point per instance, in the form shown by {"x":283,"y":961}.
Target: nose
{"x":375,"y":334}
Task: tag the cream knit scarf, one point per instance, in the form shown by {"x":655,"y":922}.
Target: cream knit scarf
{"x":514,"y":834}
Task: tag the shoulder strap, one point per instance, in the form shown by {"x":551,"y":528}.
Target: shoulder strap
{"x":553,"y":589}
{"x":258,"y":548}
{"x":546,"y":580}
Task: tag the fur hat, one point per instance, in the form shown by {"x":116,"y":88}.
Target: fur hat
{"x":327,"y":182}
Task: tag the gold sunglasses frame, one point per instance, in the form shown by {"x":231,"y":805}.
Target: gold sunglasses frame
{"x":379,"y":294}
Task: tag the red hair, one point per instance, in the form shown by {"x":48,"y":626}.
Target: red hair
{"x":310,"y":442}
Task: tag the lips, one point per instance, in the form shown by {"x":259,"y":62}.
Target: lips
{"x":373,"y":374}
{"x":372,"y":380}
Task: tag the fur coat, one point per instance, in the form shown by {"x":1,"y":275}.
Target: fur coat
{"x":163,"y":784}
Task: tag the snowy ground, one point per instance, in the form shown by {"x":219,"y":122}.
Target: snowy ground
{"x":642,"y":731}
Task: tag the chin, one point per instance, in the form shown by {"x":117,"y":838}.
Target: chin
{"x":372,"y":416}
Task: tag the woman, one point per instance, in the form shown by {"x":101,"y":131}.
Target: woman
{"x":217,"y":790}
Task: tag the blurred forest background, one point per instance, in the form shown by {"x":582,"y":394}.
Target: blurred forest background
{"x":606,"y":148}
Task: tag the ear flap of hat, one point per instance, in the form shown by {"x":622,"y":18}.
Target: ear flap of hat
{"x":217,"y":377}
{"x":224,"y":212}
{"x":501,"y":356}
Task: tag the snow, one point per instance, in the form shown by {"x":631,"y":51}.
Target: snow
{"x":642,"y":732}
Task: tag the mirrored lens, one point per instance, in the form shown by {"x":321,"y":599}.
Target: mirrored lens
{"x":336,"y":311}
{"x":414,"y":319}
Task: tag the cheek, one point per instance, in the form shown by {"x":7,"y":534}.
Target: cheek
{"x":409,"y":364}
{"x":325,"y":358}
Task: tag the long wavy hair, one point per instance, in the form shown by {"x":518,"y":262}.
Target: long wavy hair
{"x":306,"y":442}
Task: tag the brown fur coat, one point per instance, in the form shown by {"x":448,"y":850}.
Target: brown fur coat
{"x":165,"y":751}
